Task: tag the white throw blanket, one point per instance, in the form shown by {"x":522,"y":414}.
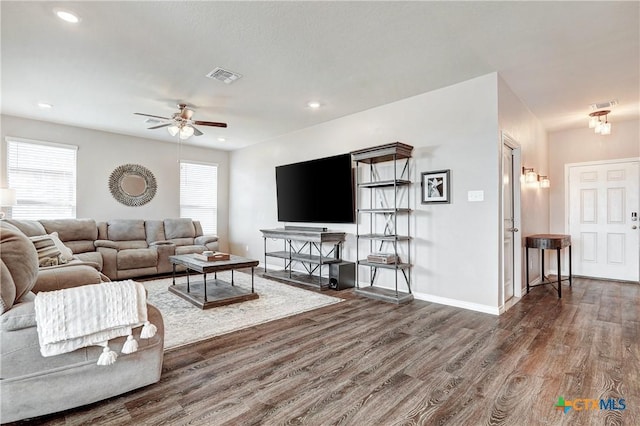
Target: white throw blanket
{"x":91,"y":315}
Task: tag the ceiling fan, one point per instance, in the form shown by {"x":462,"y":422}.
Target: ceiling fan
{"x":180,"y":123}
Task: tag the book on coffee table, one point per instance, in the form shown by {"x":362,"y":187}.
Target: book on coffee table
{"x":212,"y":257}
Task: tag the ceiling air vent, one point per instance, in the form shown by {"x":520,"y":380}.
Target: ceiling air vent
{"x":223,"y":75}
{"x":606,"y":104}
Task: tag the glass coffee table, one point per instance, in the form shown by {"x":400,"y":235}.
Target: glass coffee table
{"x":210,"y":293}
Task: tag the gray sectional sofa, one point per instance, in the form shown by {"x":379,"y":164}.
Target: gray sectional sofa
{"x":32,"y":385}
{"x":124,"y":248}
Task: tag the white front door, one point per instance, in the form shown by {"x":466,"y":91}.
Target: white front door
{"x":603,"y":203}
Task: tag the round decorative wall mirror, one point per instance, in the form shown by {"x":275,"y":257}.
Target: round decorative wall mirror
{"x":132,"y":184}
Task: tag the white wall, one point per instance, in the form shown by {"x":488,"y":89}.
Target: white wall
{"x":99,"y":153}
{"x":520,"y":124}
{"x":582,"y":145}
{"x":455,"y":246}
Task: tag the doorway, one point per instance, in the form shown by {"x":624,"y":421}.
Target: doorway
{"x":511,"y":238}
{"x":603,"y":219}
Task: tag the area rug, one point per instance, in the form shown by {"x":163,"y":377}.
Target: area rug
{"x":185,"y":323}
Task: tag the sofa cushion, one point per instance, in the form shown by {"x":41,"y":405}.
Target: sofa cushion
{"x":179,"y":228}
{"x":137,"y":258}
{"x":29,"y":228}
{"x":182,"y":241}
{"x":65,"y":252}
{"x":127,"y":245}
{"x":154,"y":230}
{"x":125,"y":230}
{"x":190,"y":249}
{"x":72,"y":229}
{"x":18,"y":267}
{"x":82,"y":246}
{"x":48,"y":253}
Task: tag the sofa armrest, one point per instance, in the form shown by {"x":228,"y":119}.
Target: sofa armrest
{"x":106,"y":244}
{"x":67,"y":277}
{"x":164,"y":249}
{"x":203,"y":240}
{"x":109,"y":260}
{"x":21,"y":315}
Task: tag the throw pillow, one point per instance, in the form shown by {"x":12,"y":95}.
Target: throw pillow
{"x":65,"y":252}
{"x":48,"y":253}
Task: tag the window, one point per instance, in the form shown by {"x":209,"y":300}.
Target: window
{"x":44,"y":177}
{"x":199,"y":194}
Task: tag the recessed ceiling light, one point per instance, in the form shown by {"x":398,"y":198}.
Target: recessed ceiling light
{"x":44,"y":105}
{"x":67,"y":16}
{"x":221,"y":139}
{"x":313,"y":104}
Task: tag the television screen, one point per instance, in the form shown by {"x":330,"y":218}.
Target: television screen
{"x":318,"y":191}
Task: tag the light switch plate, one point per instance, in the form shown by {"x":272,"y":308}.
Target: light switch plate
{"x":475,"y":195}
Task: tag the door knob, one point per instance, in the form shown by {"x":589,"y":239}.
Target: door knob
{"x":634,"y":227}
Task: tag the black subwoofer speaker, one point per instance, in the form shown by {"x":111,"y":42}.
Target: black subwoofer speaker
{"x":342,"y":275}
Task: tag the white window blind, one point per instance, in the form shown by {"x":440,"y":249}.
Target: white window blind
{"x":199,"y":194}
{"x":44,"y":177}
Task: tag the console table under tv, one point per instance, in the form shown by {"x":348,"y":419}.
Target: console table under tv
{"x":308,"y":247}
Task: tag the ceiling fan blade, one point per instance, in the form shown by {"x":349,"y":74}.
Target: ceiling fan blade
{"x":149,"y":115}
{"x":159,"y":126}
{"x":197,"y":132}
{"x":210,"y":123}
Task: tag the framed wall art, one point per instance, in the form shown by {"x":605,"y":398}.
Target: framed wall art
{"x":436,"y":187}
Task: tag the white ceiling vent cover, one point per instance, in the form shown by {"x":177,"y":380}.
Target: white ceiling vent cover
{"x":223,"y":75}
{"x":605,"y":104}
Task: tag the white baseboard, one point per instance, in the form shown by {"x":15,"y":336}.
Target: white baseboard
{"x":492,"y":310}
{"x":485,"y":309}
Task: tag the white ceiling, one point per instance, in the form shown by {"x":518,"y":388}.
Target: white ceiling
{"x":126,"y":57}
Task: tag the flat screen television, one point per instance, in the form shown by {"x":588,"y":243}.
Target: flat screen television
{"x":316,"y":191}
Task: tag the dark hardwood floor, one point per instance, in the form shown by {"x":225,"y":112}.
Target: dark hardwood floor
{"x":364,"y":362}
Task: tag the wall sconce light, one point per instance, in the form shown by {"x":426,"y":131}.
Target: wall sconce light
{"x":600,"y":127}
{"x":530,"y":175}
{"x":543,"y":181}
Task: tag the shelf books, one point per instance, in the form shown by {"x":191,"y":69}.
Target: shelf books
{"x":385,"y":258}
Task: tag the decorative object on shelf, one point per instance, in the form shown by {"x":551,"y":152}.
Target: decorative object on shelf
{"x":132,"y":185}
{"x":544,"y":181}
{"x":384,"y":258}
{"x":436,"y":187}
{"x":212,"y":256}
{"x":7,"y":199}
{"x":596,"y":123}
{"x":383,"y":200}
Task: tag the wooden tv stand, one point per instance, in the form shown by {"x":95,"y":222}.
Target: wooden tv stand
{"x":311,"y":248}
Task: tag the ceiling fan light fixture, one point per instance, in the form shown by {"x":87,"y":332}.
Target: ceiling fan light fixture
{"x":596,"y":123}
{"x":173,"y":130}
{"x":186,"y":132}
